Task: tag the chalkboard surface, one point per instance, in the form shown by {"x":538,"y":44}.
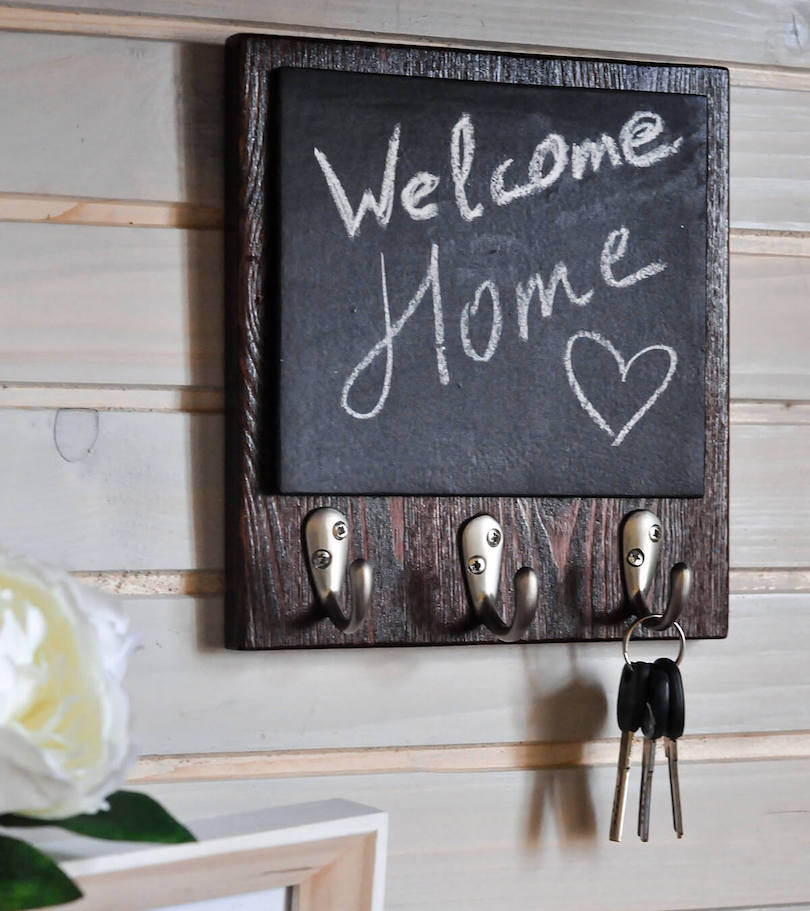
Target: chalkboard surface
{"x":487,"y":289}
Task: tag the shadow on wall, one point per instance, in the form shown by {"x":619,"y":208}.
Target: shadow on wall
{"x":200,"y":119}
{"x":572,"y":713}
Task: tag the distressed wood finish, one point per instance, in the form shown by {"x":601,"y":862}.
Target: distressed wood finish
{"x":419,"y":597}
{"x":550,"y":693}
{"x":747,"y":32}
{"x":527,"y":840}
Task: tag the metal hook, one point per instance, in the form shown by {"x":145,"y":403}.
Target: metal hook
{"x":326,"y":532}
{"x":481,"y":553}
{"x":641,"y":546}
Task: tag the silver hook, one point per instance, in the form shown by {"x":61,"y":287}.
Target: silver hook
{"x":326,"y":532}
{"x":641,"y":547}
{"x":481,"y":553}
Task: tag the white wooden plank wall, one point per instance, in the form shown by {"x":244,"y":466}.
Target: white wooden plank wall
{"x":495,"y":763}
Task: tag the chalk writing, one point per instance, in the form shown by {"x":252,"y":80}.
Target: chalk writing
{"x":546,"y":293}
{"x":624,"y":369}
{"x":462,"y":152}
{"x":392,"y":330}
{"x":641,"y":129}
{"x":471,"y":309}
{"x":381,"y":208}
{"x":548,"y":162}
{"x":640,"y":144}
{"x":592,"y":152}
{"x":420,"y":186}
{"x":555,"y":147}
{"x":612,"y":252}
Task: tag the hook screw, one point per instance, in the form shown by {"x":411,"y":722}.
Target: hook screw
{"x":326,"y":538}
{"x":482,"y":576}
{"x":321,"y":559}
{"x":642,"y":533}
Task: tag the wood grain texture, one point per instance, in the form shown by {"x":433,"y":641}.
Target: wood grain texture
{"x":769,"y":302}
{"x":148,"y":495}
{"x":237,"y":862}
{"x":753,"y":411}
{"x":101,"y":490}
{"x":750,"y":31}
{"x":412,"y":540}
{"x":337,"y":846}
{"x":125,"y":213}
{"x":769,"y":242}
{"x":123,"y":306}
{"x":454,"y":758}
{"x":126,"y":308}
{"x":333,"y":874}
{"x":753,"y":525}
{"x":158,"y":583}
{"x":417,"y":697}
{"x":145,"y":126}
{"x":107,"y":397}
{"x":770,"y":581}
{"x":523,"y":840}
{"x":770,"y":176}
{"x":202,"y":583}
{"x":148,"y":126}
{"x":211,"y":400}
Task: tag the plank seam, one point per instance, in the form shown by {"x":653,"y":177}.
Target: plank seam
{"x":211,"y":399}
{"x":111,"y":397}
{"x":156,"y":583}
{"x":101,"y":212}
{"x":66,"y":21}
{"x":769,"y":412}
{"x":456,"y":758}
{"x":134,"y":213}
{"x":210,"y":583}
{"x":768,"y":242}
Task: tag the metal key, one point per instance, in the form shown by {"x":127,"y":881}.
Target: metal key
{"x":674,"y":729}
{"x":656,"y":718}
{"x":630,"y":707}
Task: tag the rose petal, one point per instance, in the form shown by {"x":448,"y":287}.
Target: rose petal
{"x":64,"y":715}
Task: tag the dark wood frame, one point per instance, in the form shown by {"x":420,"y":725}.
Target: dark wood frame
{"x":419,"y":596}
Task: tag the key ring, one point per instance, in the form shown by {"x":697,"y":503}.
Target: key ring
{"x":640,"y":622}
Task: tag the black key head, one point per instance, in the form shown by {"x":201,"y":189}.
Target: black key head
{"x":656,"y":714}
{"x":632,"y":695}
{"x":677,"y":700}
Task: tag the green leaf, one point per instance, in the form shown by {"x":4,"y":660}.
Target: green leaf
{"x":131,"y":817}
{"x":13,"y":821}
{"x":29,"y":879}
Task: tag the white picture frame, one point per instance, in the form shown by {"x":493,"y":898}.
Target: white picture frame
{"x":331,"y":854}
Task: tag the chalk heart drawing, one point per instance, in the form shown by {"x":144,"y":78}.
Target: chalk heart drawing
{"x":624,"y":369}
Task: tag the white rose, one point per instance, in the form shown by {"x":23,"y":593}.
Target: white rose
{"x":64,"y":716}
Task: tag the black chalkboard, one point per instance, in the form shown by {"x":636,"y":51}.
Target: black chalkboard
{"x":541,"y":253}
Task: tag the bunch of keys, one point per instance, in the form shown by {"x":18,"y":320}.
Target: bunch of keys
{"x":651,"y":697}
